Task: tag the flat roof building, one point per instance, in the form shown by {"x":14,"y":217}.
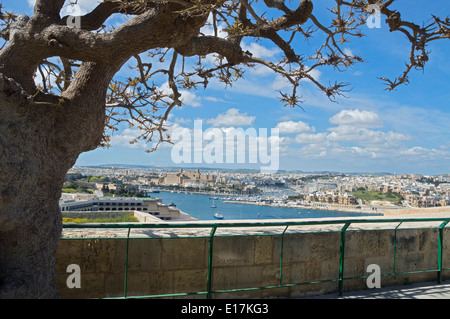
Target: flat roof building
{"x":154,"y":207}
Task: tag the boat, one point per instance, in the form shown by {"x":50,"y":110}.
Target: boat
{"x":213,"y":205}
{"x":218,"y":216}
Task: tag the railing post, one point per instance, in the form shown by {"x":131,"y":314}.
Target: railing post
{"x":126,"y":264}
{"x":341,"y":258}
{"x":210,"y":257}
{"x":395,"y":247}
{"x":440,"y":244}
{"x":281,"y":255}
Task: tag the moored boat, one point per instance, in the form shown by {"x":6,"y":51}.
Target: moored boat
{"x":218,"y":216}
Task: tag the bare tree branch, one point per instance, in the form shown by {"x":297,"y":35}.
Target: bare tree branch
{"x":164,"y":27}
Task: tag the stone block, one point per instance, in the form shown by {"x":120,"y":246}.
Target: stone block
{"x":307,"y":271}
{"x":92,"y":286}
{"x":188,"y":281}
{"x":69,"y":252}
{"x":263,"y":250}
{"x":295,"y":248}
{"x":224,"y":278}
{"x":233,"y":251}
{"x":324,"y":246}
{"x":144,"y":254}
{"x":183,"y":253}
{"x":103,"y":255}
{"x":161,"y":282}
{"x":407,"y":240}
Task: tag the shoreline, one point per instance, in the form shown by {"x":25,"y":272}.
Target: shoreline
{"x":379,"y":210}
{"x":298,"y":206}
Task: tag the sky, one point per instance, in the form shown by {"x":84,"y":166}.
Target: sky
{"x":369,"y":130}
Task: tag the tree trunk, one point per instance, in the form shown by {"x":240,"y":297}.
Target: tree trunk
{"x":39,"y":143}
{"x":30,"y":221}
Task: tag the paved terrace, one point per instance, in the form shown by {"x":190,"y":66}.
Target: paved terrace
{"x":428,"y":290}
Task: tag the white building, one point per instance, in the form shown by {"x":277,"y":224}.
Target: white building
{"x":154,"y":207}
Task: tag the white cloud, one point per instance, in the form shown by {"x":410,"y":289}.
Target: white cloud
{"x":208,"y":28}
{"x":417,"y":150}
{"x":356,"y":117}
{"x":260,"y":70}
{"x":314,"y":150}
{"x":280,"y":83}
{"x":232,"y":118}
{"x":187,"y":97}
{"x":260,"y":51}
{"x":180,"y":121}
{"x":348,"y":52}
{"x":127,"y":135}
{"x":190,"y":99}
{"x":291,"y":127}
{"x":307,"y":138}
{"x":315,"y":74}
{"x":364,"y":136}
{"x":213,"y":99}
{"x":428,"y":154}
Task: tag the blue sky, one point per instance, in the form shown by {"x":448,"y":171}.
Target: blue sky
{"x":404,"y":131}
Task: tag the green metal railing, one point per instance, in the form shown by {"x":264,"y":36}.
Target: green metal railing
{"x":286,"y":224}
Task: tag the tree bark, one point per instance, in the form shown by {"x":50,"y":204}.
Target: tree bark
{"x":30,"y":222}
{"x":39,"y":142}
{"x":42,"y":135}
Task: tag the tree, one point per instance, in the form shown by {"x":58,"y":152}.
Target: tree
{"x":53,"y":110}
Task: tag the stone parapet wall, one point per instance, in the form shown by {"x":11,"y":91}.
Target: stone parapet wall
{"x":178,"y":265}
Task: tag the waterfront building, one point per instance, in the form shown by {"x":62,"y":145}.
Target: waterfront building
{"x":154,"y":207}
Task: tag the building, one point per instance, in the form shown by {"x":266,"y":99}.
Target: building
{"x":189,"y":178}
{"x":154,"y":207}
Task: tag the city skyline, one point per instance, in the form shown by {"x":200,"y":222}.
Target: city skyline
{"x":256,"y":171}
{"x":371,"y":130}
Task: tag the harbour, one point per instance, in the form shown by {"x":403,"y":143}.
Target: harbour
{"x":201,"y":207}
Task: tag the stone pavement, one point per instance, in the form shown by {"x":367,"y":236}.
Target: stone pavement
{"x":429,"y":290}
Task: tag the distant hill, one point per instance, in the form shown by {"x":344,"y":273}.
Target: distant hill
{"x":240,"y":170}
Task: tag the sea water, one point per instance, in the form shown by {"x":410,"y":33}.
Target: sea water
{"x":199,"y":207}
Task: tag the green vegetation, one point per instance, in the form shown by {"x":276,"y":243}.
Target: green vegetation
{"x":95,"y":179}
{"x":122,"y":219}
{"x":295,"y":197}
{"x":368,"y":196}
{"x":74,"y":187}
{"x":122,"y":191}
